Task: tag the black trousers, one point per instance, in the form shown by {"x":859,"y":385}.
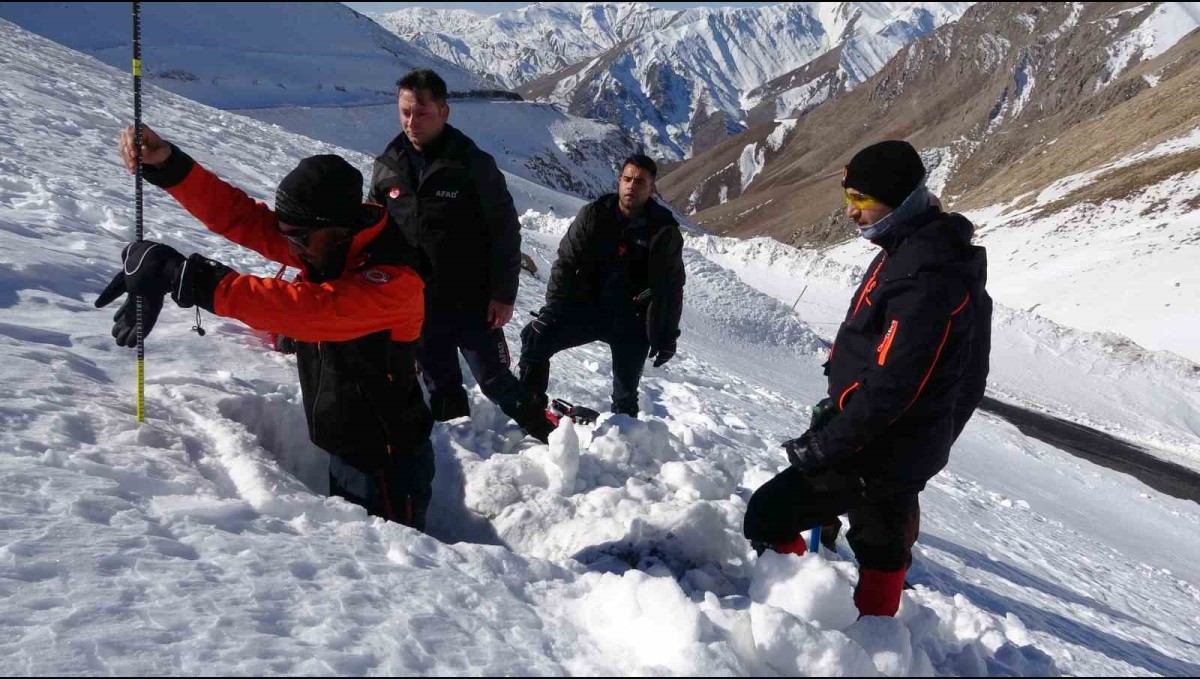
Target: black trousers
{"x":883,"y":524}
{"x":579,"y":324}
{"x":443,"y":337}
{"x":400,"y":491}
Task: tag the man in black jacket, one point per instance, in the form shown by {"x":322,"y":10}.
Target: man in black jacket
{"x":451,"y":201}
{"x":907,"y":369}
{"x":618,"y":279}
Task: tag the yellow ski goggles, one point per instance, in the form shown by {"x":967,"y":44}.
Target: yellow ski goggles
{"x":861,"y":201}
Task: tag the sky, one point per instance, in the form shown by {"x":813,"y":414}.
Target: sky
{"x":497,"y":7}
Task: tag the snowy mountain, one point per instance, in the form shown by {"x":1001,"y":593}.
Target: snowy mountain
{"x":518,"y":46}
{"x":342,"y":93}
{"x":693,"y":78}
{"x":200,"y":542}
{"x":870,"y":36}
{"x":1076,"y":156}
{"x":532,"y":140}
{"x":243,"y":55}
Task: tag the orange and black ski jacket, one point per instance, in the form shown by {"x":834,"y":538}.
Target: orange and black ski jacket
{"x":909,"y":364}
{"x":356,"y":334}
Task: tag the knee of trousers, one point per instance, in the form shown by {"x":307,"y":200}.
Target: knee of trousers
{"x":880,"y":546}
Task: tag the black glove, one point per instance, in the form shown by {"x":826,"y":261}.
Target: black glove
{"x":151,"y":270}
{"x":805,"y":455}
{"x":662,"y":353}
{"x":822,"y":414}
{"x":543,"y":319}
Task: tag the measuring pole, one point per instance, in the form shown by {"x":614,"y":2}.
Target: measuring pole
{"x":137,"y":144}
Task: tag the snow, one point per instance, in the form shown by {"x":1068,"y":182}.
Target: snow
{"x":1107,"y":281}
{"x":750,"y":163}
{"x":1169,"y":23}
{"x":522,"y":45}
{"x":1099,"y":379}
{"x":243,"y":55}
{"x":940,"y":163}
{"x":754,"y":157}
{"x":715,"y":56}
{"x":1067,"y":185}
{"x":779,"y":134}
{"x":803,"y":98}
{"x":200,"y":542}
{"x":536,"y":141}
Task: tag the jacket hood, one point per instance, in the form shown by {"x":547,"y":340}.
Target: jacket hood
{"x":937,"y":241}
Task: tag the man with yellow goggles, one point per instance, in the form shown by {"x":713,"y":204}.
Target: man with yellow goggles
{"x":908,"y":368}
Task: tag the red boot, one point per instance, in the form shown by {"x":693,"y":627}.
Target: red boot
{"x":878,"y":592}
{"x":798,"y":547}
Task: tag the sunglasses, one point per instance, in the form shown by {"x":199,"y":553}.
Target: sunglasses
{"x":860,"y":201}
{"x":297,"y":236}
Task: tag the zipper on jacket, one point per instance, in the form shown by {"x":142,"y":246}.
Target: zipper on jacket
{"x":868,"y":287}
{"x":317,"y":397}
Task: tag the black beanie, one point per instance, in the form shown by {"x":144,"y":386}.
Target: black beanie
{"x":322,"y":191}
{"x":888,"y":171}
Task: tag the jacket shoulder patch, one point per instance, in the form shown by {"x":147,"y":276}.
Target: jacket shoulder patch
{"x":376,"y":276}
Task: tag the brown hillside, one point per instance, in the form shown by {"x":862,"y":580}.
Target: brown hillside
{"x":1034,"y":73}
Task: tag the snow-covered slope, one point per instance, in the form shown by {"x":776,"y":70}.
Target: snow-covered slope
{"x":1095,"y":377}
{"x":520,"y":45}
{"x":243,"y":54}
{"x":328,"y":73}
{"x":665,"y":83}
{"x":199,"y":542}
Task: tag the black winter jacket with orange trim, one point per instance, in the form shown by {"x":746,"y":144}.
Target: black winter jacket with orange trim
{"x":910,"y":362}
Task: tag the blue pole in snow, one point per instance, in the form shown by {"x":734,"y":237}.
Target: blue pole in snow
{"x":814,"y":540}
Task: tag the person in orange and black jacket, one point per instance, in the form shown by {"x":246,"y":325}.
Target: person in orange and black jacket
{"x":355,"y":309}
{"x":907,"y":369}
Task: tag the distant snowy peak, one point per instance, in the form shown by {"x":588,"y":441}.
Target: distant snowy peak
{"x":868,"y":38}
{"x":414,"y":20}
{"x":521,"y":45}
{"x":666,"y":83}
{"x":1000,"y":102}
{"x":244,"y":55}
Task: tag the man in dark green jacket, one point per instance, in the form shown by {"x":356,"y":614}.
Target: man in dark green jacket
{"x":618,"y":279}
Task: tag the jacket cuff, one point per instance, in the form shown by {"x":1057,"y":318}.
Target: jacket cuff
{"x":197,"y":282}
{"x":825,"y":449}
{"x":505,"y":295}
{"x":170,"y":173}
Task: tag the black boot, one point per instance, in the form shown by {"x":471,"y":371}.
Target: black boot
{"x":533,"y":419}
{"x":626,"y":407}
{"x":447,"y":406}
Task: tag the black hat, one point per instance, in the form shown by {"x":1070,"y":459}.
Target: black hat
{"x":888,"y":171}
{"x":322,"y":191}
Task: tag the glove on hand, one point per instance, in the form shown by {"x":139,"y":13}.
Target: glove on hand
{"x":805,"y":455}
{"x":151,"y":270}
{"x":663,"y":353}
{"x":543,"y":319}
